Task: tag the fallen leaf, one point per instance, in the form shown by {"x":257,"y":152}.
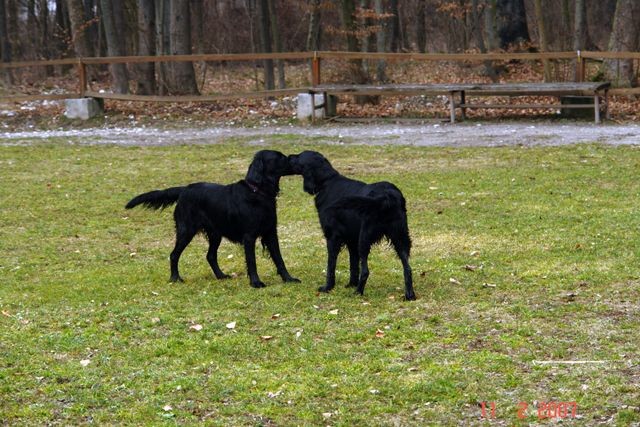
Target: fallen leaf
{"x":6,"y":313}
{"x":412,"y":369}
{"x":379,"y":334}
{"x":333,"y":311}
{"x":470,"y":267}
{"x":167,"y":408}
{"x":154,"y":293}
{"x":85,"y":362}
{"x":275,"y":316}
{"x":454,"y":281}
{"x":327,"y":414}
{"x":374,"y":391}
{"x":299,"y":333}
{"x":489,"y":285}
{"x":196,"y":327}
{"x":474,"y":253}
{"x":155,"y":320}
{"x":366,"y":303}
{"x":273,"y":395}
{"x":231,"y":325}
{"x":266,"y":337}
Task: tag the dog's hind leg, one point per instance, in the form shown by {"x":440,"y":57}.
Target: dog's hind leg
{"x":364,"y":247}
{"x":212,"y":254}
{"x":184,"y":235}
{"x":354,"y":267}
{"x":333,"y":249}
{"x":402,"y":245}
{"x":271,"y":242}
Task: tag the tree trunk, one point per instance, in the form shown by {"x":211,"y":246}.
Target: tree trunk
{"x":566,"y":25}
{"x":395,"y":27}
{"x":421,"y":29}
{"x":624,"y":37}
{"x":146,"y":78}
{"x":490,"y":25}
{"x":475,"y":29}
{"x":511,"y":22}
{"x":184,"y":78}
{"x":162,"y":44}
{"x":542,"y":35}
{"x":81,"y":43}
{"x":381,"y":42}
{"x":314,"y":34}
{"x":265,"y":43}
{"x":45,"y":47}
{"x":5,"y":46}
{"x":115,"y":43}
{"x":197,"y":17}
{"x":277,"y":42}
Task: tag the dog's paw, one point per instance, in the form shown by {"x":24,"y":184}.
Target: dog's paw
{"x":176,"y":279}
{"x":325,"y":288}
{"x":352,"y":284}
{"x":223,"y":276}
{"x":292,"y":279}
{"x":258,"y":284}
{"x":410,"y":296}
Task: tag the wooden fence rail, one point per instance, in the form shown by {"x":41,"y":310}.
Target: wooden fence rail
{"x":315,"y":58}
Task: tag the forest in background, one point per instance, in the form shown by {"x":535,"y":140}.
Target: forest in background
{"x":51,"y":29}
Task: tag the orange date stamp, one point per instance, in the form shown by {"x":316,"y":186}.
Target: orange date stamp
{"x":544,"y":410}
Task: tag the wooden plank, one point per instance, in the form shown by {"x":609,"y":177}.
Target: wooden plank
{"x":526,"y":106}
{"x":199,"y":58}
{"x":24,"y":64}
{"x":194,"y":98}
{"x":448,"y":56}
{"x":25,"y":98}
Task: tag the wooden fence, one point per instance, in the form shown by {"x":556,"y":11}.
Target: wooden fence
{"x":580,"y":57}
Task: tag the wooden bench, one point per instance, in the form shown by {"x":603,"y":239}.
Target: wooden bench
{"x":597,"y":91}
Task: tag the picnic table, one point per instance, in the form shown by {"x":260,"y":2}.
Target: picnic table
{"x":458,"y":93}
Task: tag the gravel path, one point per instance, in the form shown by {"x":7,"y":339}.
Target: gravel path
{"x":430,"y":134}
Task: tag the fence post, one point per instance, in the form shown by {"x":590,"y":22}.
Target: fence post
{"x":315,"y":69}
{"x":580,"y":67}
{"x":82,"y":77}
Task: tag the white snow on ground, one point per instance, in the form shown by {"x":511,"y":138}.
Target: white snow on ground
{"x":429,"y":134}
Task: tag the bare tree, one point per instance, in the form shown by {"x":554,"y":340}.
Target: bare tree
{"x":183,"y":78}
{"x":381,"y":41}
{"x":421,"y":30}
{"x":314,"y":33}
{"x":115,"y":42}
{"x":277,"y":42}
{"x":197,"y":18}
{"x":146,"y":76}
{"x":264,"y":25}
{"x":5,"y":46}
{"x":81,"y":43}
{"x":624,"y":37}
{"x":542,"y":36}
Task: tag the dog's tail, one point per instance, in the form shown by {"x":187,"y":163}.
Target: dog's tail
{"x":157,"y":199}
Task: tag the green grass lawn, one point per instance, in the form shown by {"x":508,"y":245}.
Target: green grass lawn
{"x":91,"y":330}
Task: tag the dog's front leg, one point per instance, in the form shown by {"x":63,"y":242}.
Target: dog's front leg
{"x":249,"y":243}
{"x":333,"y":249}
{"x":271,"y":242}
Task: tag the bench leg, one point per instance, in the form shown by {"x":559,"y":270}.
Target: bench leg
{"x":463,"y":100}
{"x":313,"y":107}
{"x":452,"y":107}
{"x":596,"y":103}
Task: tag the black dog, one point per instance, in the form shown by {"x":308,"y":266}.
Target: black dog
{"x":357,"y":215}
{"x":241,"y":212}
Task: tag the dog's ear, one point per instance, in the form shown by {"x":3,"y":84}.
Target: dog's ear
{"x":255,"y":174}
{"x":308,"y":181}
